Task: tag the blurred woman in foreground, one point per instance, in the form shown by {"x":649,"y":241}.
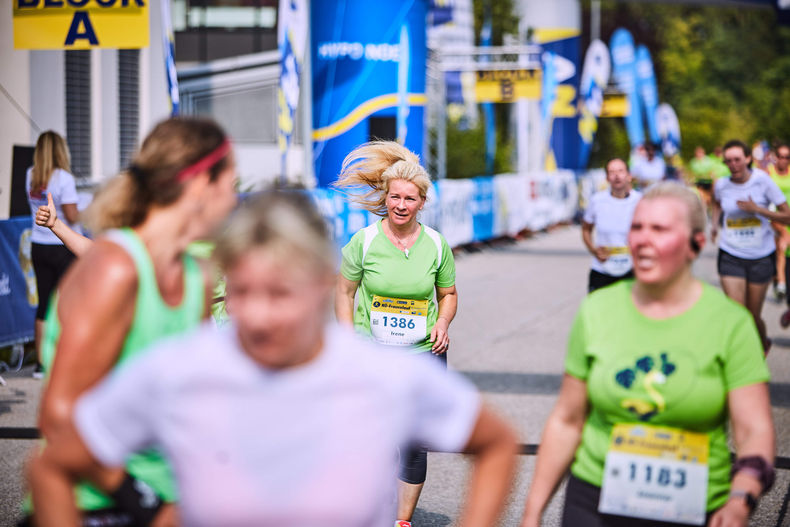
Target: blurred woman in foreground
{"x":280,"y":418}
{"x":656,"y":367}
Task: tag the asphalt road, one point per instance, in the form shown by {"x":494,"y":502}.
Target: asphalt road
{"x":516,"y":304}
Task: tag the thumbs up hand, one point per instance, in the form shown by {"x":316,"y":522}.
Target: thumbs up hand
{"x":47,"y":214}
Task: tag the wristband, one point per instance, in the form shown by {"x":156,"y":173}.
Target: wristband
{"x":748,"y":497}
{"x":757,"y":467}
{"x":138,"y":499}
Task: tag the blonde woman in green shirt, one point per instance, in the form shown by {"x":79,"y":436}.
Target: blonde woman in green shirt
{"x":398,"y":266}
{"x":656,"y":368}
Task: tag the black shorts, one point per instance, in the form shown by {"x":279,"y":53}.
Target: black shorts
{"x":112,"y":517}
{"x":414,"y":461}
{"x":757,"y":271}
{"x":50,"y":263}
{"x":598,"y":280}
{"x":581,"y":508}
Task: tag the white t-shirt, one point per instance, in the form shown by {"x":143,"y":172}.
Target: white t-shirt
{"x":742,"y":234}
{"x":652,"y":171}
{"x":64,"y":192}
{"x":611,"y":219}
{"x":314,"y":445}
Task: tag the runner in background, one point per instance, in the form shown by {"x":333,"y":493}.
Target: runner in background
{"x":608,"y":220}
{"x":280,"y":418}
{"x":747,"y":249}
{"x":134,"y":286}
{"x":650,"y":169}
{"x":398,"y":265}
{"x":780,"y":174}
{"x":657,"y":366}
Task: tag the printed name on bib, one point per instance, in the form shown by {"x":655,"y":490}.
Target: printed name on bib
{"x":656,"y":473}
{"x":398,"y":321}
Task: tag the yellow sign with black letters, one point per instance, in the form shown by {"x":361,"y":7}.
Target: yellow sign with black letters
{"x":508,"y":85}
{"x":80,"y":24}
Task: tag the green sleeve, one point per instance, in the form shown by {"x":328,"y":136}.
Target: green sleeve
{"x":744,"y":361}
{"x":351,"y":266}
{"x":576,"y":361}
{"x":445,"y":275}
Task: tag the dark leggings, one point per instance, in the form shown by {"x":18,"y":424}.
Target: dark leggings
{"x":581,"y":508}
{"x":414,"y":461}
{"x":49,"y":263}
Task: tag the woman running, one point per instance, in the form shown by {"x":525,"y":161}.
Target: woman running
{"x":656,"y":367}
{"x":280,"y":418}
{"x":398,"y":265}
{"x":780,"y":174}
{"x":49,"y":179}
{"x":746,"y":247}
{"x":608,"y":216}
{"x":134,"y":286}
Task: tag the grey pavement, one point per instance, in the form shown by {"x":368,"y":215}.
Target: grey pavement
{"x":516,"y":304}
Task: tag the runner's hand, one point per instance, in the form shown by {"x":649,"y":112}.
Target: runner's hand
{"x":735,"y":513}
{"x":167,"y":516}
{"x":439,"y":337}
{"x":601,"y":254}
{"x":748,"y":205}
{"x":47,"y":214}
{"x":714,"y":232}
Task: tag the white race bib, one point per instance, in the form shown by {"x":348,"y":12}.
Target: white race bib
{"x":656,"y":473}
{"x":398,"y":321}
{"x":744,"y":233}
{"x":619,"y":261}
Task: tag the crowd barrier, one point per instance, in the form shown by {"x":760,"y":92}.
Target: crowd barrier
{"x":463,"y":210}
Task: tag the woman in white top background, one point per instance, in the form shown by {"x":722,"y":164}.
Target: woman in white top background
{"x":49,"y":175}
{"x":746,"y":249}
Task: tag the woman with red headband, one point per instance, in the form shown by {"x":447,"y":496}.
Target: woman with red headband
{"x":132,"y":287}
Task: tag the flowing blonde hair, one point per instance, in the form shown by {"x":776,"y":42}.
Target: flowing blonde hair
{"x":375,"y":165}
{"x":51,"y":153}
{"x":152,"y":178}
{"x":669,"y":189}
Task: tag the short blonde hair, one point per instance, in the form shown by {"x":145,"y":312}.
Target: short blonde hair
{"x":286,"y":224}
{"x":374,"y":166}
{"x":689,"y":198}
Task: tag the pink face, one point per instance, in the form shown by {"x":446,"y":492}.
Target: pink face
{"x":403,"y":202}
{"x":277,"y":307}
{"x":737,"y":161}
{"x":660,"y":240}
{"x":617,"y":175}
{"x":782,"y":158}
{"x":220,"y":198}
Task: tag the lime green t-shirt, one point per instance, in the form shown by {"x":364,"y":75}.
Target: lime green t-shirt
{"x":702,"y":169}
{"x":383,"y":269}
{"x":674,"y":372}
{"x":782,"y":181}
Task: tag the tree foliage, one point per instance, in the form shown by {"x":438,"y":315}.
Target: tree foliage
{"x":725,"y":71}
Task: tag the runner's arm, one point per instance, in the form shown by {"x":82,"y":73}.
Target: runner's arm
{"x":345,"y":291}
{"x":47,"y":216}
{"x":715,"y":221}
{"x":753,"y":433}
{"x":493,"y":444}
{"x":561,"y":438}
{"x":447,"y":302}
{"x":601,"y":253}
{"x":781,"y":215}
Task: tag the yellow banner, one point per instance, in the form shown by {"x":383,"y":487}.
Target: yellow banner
{"x":508,"y":85}
{"x":80,"y":24}
{"x":401,"y":306}
{"x":660,"y":442}
{"x":615,"y":105}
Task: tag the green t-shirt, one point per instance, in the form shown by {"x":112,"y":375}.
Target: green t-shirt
{"x":674,"y":372}
{"x":720,"y":169}
{"x":383,"y":269}
{"x":702,"y":169}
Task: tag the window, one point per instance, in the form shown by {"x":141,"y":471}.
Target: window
{"x":78,"y":111}
{"x":128,"y":104}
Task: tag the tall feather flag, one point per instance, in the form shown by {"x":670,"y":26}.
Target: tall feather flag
{"x":291,"y":41}
{"x":168,"y":46}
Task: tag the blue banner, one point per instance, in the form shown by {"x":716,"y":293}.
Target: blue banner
{"x":489,"y":119}
{"x":648,"y":91}
{"x":624,"y":70}
{"x":18,"y":296}
{"x":357,"y":77}
{"x":595,"y":77}
{"x":168,"y":45}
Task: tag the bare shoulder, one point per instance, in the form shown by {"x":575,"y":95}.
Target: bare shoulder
{"x":105,"y":270}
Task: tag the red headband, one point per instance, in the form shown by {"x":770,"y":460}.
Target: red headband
{"x":204,"y":163}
